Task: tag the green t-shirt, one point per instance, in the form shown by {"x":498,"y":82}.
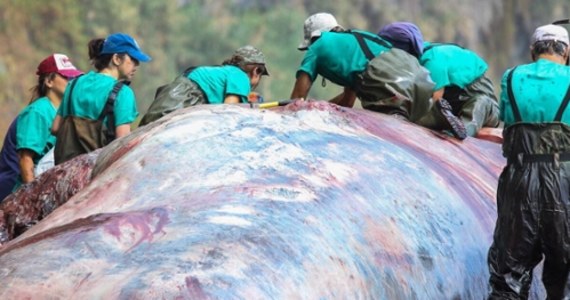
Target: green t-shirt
{"x":90,"y":95}
{"x":33,"y":128}
{"x":539,"y":89}
{"x":452,"y":65}
{"x":338,"y":57}
{"x":217,"y":82}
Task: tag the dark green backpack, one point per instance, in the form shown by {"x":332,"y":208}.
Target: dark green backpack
{"x":180,"y":93}
{"x":78,"y":135}
{"x":393,"y":81}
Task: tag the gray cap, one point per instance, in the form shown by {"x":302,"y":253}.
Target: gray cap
{"x":314,"y":26}
{"x":550,"y":33}
{"x":252,"y":55}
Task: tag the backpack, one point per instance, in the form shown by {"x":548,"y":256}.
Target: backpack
{"x":393,"y":81}
{"x":180,"y":93}
{"x":78,"y":135}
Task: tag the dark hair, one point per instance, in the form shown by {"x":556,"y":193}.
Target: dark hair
{"x":549,"y":47}
{"x":235,"y":60}
{"x":339,"y":29}
{"x":40,"y":90}
{"x":98,"y":60}
{"x":249,"y":68}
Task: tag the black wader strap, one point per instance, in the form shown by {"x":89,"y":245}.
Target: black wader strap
{"x":563,"y":106}
{"x":360,"y":38}
{"x":523,"y":158}
{"x":514,"y":106}
{"x":109,"y":108}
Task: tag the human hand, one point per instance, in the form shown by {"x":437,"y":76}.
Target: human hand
{"x":491,"y":134}
{"x":254,"y":97}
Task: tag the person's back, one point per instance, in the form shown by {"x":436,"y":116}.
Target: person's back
{"x":385,"y":79}
{"x":218,"y":81}
{"x":84,"y":113}
{"x":459,"y":76}
{"x":34,"y":124}
{"x":533,"y":194}
{"x":465,"y":99}
{"x":338,"y":57}
{"x":9,"y":168}
{"x":452,"y":65}
{"x":90,"y":94}
{"x":539,"y":89}
{"x":228,"y":83}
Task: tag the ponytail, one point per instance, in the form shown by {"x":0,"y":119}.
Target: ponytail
{"x":98,"y":60}
{"x":235,"y":60}
{"x":40,"y":90}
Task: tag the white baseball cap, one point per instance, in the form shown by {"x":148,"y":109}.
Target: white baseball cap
{"x":314,"y":26}
{"x":550,"y":33}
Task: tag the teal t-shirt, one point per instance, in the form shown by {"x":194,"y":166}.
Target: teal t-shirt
{"x":338,"y":57}
{"x":33,"y":128}
{"x":217,"y":82}
{"x":452,"y":65}
{"x":539,"y":89}
{"x":90,"y":95}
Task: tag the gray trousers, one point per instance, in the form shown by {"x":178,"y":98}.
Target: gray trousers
{"x":476,"y":105}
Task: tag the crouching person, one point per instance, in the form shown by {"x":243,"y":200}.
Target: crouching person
{"x":385,"y":79}
{"x":461,"y":87}
{"x":226,"y":84}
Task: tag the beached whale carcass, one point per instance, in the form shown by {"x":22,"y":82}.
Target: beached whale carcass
{"x":309,"y":202}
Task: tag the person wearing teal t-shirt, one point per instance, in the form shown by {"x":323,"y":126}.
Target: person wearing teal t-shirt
{"x":533,"y":195}
{"x":384,"y":79}
{"x":115,"y":58}
{"x":33,"y":137}
{"x":229,"y":83}
{"x":459,"y":76}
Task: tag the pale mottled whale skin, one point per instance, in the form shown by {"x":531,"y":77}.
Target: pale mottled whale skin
{"x":312,"y":201}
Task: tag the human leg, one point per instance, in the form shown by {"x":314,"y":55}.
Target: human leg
{"x":395,"y":80}
{"x":181,"y":93}
{"x":479,"y":106}
{"x":556,"y":234}
{"x":515,"y":250}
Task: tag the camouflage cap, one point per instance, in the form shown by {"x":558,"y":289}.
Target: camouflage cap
{"x":252,"y":55}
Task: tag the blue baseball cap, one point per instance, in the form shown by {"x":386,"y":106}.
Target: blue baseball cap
{"x":124,"y":43}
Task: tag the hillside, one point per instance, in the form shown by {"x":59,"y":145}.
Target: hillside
{"x":179,"y":33}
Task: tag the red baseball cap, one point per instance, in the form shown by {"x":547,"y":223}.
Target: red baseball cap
{"x":59,"y":63}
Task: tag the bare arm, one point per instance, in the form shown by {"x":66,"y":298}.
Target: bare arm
{"x":491,"y":134}
{"x":438,"y":94}
{"x":26,"y":165}
{"x":302,"y":86}
{"x":56,"y":123}
{"x":122,"y":130}
{"x":346,"y":98}
{"x":231,"y":99}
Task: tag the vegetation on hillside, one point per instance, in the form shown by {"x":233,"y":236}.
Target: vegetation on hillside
{"x":180,"y":33}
